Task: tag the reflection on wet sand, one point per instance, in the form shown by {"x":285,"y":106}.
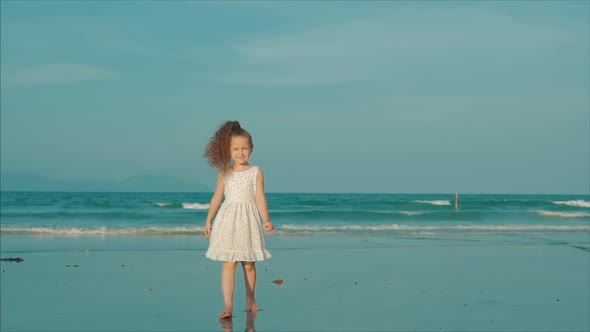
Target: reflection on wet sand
{"x":250,"y":318}
{"x":227,"y":324}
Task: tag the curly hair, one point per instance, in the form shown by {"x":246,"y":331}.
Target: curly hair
{"x":217,"y":151}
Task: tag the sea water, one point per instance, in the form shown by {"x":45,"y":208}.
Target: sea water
{"x":74,"y":214}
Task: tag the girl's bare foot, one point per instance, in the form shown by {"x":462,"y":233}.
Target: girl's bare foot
{"x":252,"y":307}
{"x":225,"y":315}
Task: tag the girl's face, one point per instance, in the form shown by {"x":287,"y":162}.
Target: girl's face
{"x":240,"y":150}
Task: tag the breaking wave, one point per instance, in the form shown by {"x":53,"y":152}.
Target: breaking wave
{"x":576,"y":203}
{"x":291,"y":229}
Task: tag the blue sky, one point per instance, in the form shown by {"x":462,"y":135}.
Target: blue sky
{"x":403,"y":97}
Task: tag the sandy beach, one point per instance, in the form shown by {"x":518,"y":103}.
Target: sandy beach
{"x":511,"y":283}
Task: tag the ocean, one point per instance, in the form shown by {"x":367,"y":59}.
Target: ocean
{"x":348,"y":262}
{"x":73,"y":214}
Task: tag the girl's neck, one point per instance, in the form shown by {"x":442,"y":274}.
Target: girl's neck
{"x":240,"y":167}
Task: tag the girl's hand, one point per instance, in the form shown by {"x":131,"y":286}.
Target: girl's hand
{"x":269,"y":227}
{"x":208,"y":229}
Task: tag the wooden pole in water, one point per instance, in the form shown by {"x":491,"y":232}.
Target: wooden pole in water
{"x":456,"y":201}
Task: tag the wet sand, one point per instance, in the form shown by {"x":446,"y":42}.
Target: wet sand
{"x":331,"y":283}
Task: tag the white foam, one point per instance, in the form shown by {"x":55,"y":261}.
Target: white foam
{"x":438,"y":202}
{"x":411,"y":213}
{"x":163,"y":204}
{"x":101,"y":231}
{"x":407,"y":213}
{"x":562,"y":214}
{"x":434,"y":228}
{"x":195,"y":206}
{"x":576,"y":203}
{"x":289,"y":229}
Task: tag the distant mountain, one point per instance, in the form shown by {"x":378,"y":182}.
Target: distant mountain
{"x":140,"y":183}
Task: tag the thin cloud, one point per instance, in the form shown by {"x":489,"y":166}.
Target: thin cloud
{"x":301,"y":75}
{"x":339,"y":52}
{"x":120,"y":43}
{"x":430,"y":33}
{"x":57,"y":73}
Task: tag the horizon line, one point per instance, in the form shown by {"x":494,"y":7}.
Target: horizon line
{"x":302,"y":193}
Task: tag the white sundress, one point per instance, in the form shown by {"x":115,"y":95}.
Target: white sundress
{"x":236,"y":234}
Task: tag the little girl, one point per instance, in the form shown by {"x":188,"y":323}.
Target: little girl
{"x":236,"y":235}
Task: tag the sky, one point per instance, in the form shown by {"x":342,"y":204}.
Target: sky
{"x":383,"y":97}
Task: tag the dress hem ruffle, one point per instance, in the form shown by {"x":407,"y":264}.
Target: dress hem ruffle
{"x":237,"y":255}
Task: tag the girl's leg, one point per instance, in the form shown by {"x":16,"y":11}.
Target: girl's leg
{"x":250,"y":279}
{"x":228,"y":284}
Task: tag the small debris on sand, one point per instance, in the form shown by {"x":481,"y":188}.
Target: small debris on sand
{"x":17,"y":260}
{"x":278,"y":281}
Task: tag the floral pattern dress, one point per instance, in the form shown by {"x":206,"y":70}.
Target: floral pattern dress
{"x":236,"y":233}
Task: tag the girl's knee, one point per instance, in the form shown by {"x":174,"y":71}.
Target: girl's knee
{"x":248,"y":266}
{"x":230,"y":265}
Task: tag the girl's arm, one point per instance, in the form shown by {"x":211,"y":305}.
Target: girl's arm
{"x":215,"y":202}
{"x":261,"y":203}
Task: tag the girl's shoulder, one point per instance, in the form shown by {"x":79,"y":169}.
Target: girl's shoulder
{"x":251,"y":169}
{"x":254,"y":170}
